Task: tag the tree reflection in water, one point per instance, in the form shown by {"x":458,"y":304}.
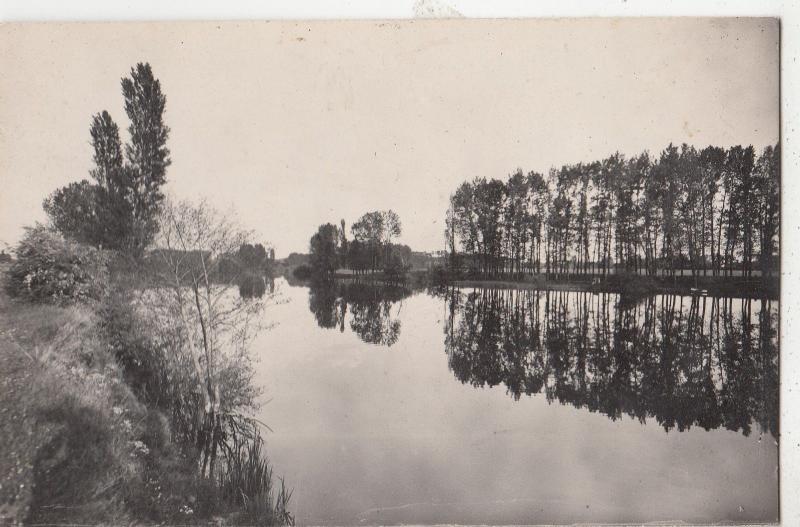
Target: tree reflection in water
{"x":684,"y":361}
{"x":373,"y":316}
{"x":255,"y":286}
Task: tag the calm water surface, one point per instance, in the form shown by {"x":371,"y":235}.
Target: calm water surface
{"x":520,"y":407}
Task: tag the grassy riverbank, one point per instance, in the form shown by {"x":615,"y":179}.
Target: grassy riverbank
{"x":69,"y":423}
{"x":87,"y":437}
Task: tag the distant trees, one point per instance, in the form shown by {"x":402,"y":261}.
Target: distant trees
{"x":247,"y":266}
{"x":368,"y":234}
{"x":768,"y":199}
{"x":392,"y":228}
{"x":255,"y":258}
{"x":713,"y":210}
{"x":324,"y":249}
{"x":119,"y":209}
{"x":371,"y":248}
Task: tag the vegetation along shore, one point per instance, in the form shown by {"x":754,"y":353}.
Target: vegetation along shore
{"x":128,"y":393}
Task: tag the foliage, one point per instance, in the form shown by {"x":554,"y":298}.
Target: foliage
{"x":109,"y":447}
{"x":145,"y":366}
{"x":371,"y":248}
{"x":146,"y":153}
{"x":247,"y":263}
{"x":205,"y":325}
{"x":715,"y":210}
{"x":73,"y":212}
{"x":51,"y":269}
{"x":372,"y":243}
{"x":255,"y":257}
{"x":149,"y":395}
{"x":157,"y":365}
{"x":324,"y":249}
{"x":439,"y":275}
{"x":82,"y":418}
{"x":118,"y":209}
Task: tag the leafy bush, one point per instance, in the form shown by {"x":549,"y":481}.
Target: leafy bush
{"x":129,"y":337}
{"x":52,"y":269}
{"x":115,"y":401}
{"x":171,"y":489}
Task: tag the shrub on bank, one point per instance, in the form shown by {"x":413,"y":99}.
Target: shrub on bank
{"x":52,"y":269}
{"x":115,"y":406}
{"x":105,"y":444}
{"x":150,"y":352}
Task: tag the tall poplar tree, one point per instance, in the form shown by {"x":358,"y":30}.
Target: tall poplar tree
{"x":147,"y":153}
{"x":119,"y":210}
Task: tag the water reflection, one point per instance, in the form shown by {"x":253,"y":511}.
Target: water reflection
{"x":255,"y":286}
{"x":373,"y":309}
{"x":684,"y":361}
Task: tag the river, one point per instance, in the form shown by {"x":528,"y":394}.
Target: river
{"x":484,"y":406}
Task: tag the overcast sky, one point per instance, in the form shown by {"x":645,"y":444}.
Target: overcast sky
{"x":297,"y":124}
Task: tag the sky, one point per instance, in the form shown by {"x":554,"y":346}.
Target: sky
{"x":294,"y":124}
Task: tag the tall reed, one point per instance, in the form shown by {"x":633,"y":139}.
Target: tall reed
{"x":246,"y":479}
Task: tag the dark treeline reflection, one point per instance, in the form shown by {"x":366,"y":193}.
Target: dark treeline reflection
{"x":369,"y":309}
{"x":255,"y":286}
{"x":683,"y":361}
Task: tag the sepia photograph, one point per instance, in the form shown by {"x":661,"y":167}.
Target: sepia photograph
{"x":391,"y":272}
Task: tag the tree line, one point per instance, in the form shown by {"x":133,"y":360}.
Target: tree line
{"x":711,"y":211}
{"x":371,"y":248}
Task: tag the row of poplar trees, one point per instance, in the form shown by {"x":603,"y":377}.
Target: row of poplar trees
{"x":714,"y":211}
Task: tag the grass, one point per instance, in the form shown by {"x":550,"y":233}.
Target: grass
{"x":81,"y":446}
{"x":248,"y":481}
{"x":72,"y":441}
